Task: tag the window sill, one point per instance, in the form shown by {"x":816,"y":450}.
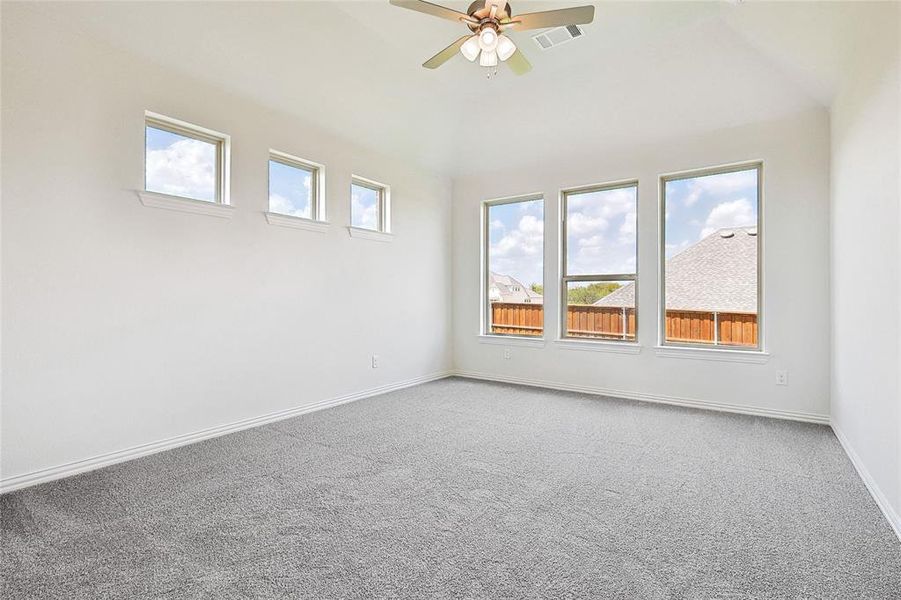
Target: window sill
{"x":296,"y":222}
{"x":599,"y":346}
{"x":369,"y":234}
{"x":512,"y":340}
{"x":719,"y":354}
{"x":188,"y":205}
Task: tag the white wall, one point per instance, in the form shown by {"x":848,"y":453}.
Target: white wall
{"x":124,"y":324}
{"x":866,"y":361}
{"x":795,"y":152}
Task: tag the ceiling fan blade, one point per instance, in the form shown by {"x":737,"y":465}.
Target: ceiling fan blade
{"x":431,"y":9}
{"x":518,"y":63}
{"x":552,"y":18}
{"x":446,"y":54}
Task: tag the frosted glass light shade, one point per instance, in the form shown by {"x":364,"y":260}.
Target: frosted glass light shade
{"x":505,"y":47}
{"x":470,"y":48}
{"x":488,"y":59}
{"x":488,"y":39}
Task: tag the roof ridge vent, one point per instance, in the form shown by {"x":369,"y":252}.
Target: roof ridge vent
{"x":558,"y":35}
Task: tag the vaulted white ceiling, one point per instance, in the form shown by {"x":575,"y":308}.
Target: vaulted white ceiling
{"x":643,"y":72}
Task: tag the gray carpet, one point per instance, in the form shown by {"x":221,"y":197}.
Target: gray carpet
{"x":464,"y":489}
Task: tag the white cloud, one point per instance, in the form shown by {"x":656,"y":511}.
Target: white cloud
{"x":365,"y":213}
{"x":580,"y":224}
{"x":520,"y":251}
{"x":184,"y":168}
{"x":673,"y":249}
{"x":737,"y":213}
{"x":594,"y":241}
{"x":627,"y":229}
{"x":530,"y":224}
{"x":601,"y":232}
{"x":283,"y":206}
{"x":725,"y":183}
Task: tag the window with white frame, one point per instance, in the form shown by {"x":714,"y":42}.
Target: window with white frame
{"x":185,"y":160}
{"x":369,"y":205}
{"x":295,"y":187}
{"x":513,"y":270}
{"x":599,"y":262}
{"x":711,"y":257}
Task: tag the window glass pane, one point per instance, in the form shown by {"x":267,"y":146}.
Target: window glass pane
{"x":710,"y":272}
{"x":600,"y":232}
{"x":601,"y":309}
{"x":516,"y":267}
{"x":364,"y":207}
{"x":290,"y":190}
{"x":180,"y":165}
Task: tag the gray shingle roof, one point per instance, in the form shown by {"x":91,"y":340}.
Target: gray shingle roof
{"x":511,"y":290}
{"x":719,"y":273}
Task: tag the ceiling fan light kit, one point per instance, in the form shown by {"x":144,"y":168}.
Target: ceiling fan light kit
{"x":505,"y":47}
{"x":488,"y":58}
{"x":488,"y":20}
{"x":470,"y":48}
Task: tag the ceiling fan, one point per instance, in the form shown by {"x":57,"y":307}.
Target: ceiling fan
{"x":487,"y":21}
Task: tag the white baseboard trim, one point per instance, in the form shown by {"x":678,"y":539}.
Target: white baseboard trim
{"x":882,"y":502}
{"x":660,"y":399}
{"x":104,"y":460}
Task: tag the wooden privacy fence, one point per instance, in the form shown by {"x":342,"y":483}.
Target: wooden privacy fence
{"x":728,"y":329}
{"x":585,"y":320}
{"x":607,"y":322}
{"x":517,"y":319}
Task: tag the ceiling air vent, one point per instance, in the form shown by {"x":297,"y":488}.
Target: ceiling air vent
{"x":557,"y":36}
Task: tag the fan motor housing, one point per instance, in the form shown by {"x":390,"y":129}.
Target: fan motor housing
{"x":482,"y":11}
{"x":479,"y":7}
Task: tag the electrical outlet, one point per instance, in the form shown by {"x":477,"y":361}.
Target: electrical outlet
{"x":507,"y":354}
{"x":781,"y":377}
{"x":375,"y":361}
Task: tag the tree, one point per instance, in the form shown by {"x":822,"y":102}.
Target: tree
{"x":537,"y":288}
{"x":590,"y":293}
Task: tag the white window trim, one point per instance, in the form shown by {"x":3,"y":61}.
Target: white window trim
{"x":594,"y":345}
{"x":293,"y":222}
{"x":369,"y":234}
{"x":317,"y":201}
{"x":511,"y":340}
{"x":484,"y":303}
{"x":709,"y":351}
{"x":723,"y":354}
{"x":384,"y":203}
{"x":562,"y":338}
{"x":187,"y":205}
{"x":223,"y":165}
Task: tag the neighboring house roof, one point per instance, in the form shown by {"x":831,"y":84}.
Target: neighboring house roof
{"x":504,"y":288}
{"x":719,"y":273}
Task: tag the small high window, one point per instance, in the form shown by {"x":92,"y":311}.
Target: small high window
{"x":185,"y":160}
{"x":369,"y":205}
{"x":295,"y":187}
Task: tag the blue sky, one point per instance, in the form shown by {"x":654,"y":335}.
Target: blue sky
{"x":601,"y":225}
{"x":516,"y":240}
{"x":697,"y":207}
{"x":364,"y":207}
{"x":290,"y":190}
{"x":600,"y":231}
{"x":180,"y":165}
